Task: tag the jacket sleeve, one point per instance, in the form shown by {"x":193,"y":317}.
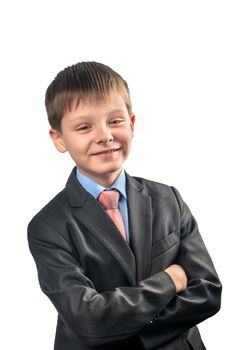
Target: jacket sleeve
{"x":202,"y":297}
{"x":95,"y":318}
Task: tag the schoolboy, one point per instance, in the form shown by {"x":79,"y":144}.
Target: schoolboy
{"x":134,"y":274}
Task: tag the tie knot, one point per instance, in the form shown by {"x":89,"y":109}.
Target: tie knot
{"x":109,"y":199}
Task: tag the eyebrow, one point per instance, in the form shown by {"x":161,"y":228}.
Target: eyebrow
{"x":87,"y":116}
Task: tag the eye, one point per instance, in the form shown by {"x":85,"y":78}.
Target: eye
{"x":116,"y":121}
{"x":83,"y":128}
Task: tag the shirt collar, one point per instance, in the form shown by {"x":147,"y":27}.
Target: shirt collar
{"x":95,"y":189}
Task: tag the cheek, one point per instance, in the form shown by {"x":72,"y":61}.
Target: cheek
{"x":126,"y":141}
{"x":127,"y":137}
{"x":79,"y":145}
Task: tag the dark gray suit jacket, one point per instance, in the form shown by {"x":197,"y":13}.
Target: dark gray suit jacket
{"x":110,"y":294}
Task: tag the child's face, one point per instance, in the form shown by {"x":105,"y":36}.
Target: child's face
{"x":98,"y":136}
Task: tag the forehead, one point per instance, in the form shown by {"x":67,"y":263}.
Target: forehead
{"x":112,"y":101}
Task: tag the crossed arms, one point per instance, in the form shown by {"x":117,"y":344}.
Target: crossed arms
{"x":178,"y":298}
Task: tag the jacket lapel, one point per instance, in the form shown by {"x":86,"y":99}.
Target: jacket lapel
{"x":92,"y":215}
{"x":140,"y":219}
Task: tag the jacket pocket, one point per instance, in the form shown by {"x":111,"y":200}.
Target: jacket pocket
{"x":164,"y":244}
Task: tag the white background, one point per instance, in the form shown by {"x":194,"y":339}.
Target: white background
{"x":177,"y":57}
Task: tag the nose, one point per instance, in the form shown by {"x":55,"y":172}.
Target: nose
{"x":104,"y":136}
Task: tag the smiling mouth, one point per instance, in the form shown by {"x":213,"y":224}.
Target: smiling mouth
{"x":109,"y":151}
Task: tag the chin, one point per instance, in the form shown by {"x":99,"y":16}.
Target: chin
{"x":111,"y":169}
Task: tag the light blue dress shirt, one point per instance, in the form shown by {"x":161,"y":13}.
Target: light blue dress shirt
{"x":95,"y":189}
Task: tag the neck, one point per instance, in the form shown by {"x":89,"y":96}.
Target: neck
{"x":105,"y":180}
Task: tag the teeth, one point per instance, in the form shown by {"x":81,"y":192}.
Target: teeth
{"x":110,"y":151}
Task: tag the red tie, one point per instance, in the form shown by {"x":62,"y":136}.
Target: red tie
{"x":109,"y":200}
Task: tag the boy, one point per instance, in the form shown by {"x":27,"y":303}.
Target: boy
{"x":121,"y":258}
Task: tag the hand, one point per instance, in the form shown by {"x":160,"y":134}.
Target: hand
{"x":179,"y":277}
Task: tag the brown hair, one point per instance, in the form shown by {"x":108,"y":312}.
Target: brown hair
{"x":79,"y":83}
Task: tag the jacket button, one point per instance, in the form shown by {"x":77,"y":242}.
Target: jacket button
{"x":151,"y":322}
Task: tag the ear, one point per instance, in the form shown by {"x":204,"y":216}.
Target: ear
{"x":56,"y":136}
{"x":132,"y":121}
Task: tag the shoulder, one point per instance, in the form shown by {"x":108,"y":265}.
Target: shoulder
{"x":52,"y":211}
{"x":153,"y":187}
{"x":150,"y":184}
{"x":59,"y":206}
{"x":157,"y":190}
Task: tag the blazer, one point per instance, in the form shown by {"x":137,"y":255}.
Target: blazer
{"x":111,"y":294}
